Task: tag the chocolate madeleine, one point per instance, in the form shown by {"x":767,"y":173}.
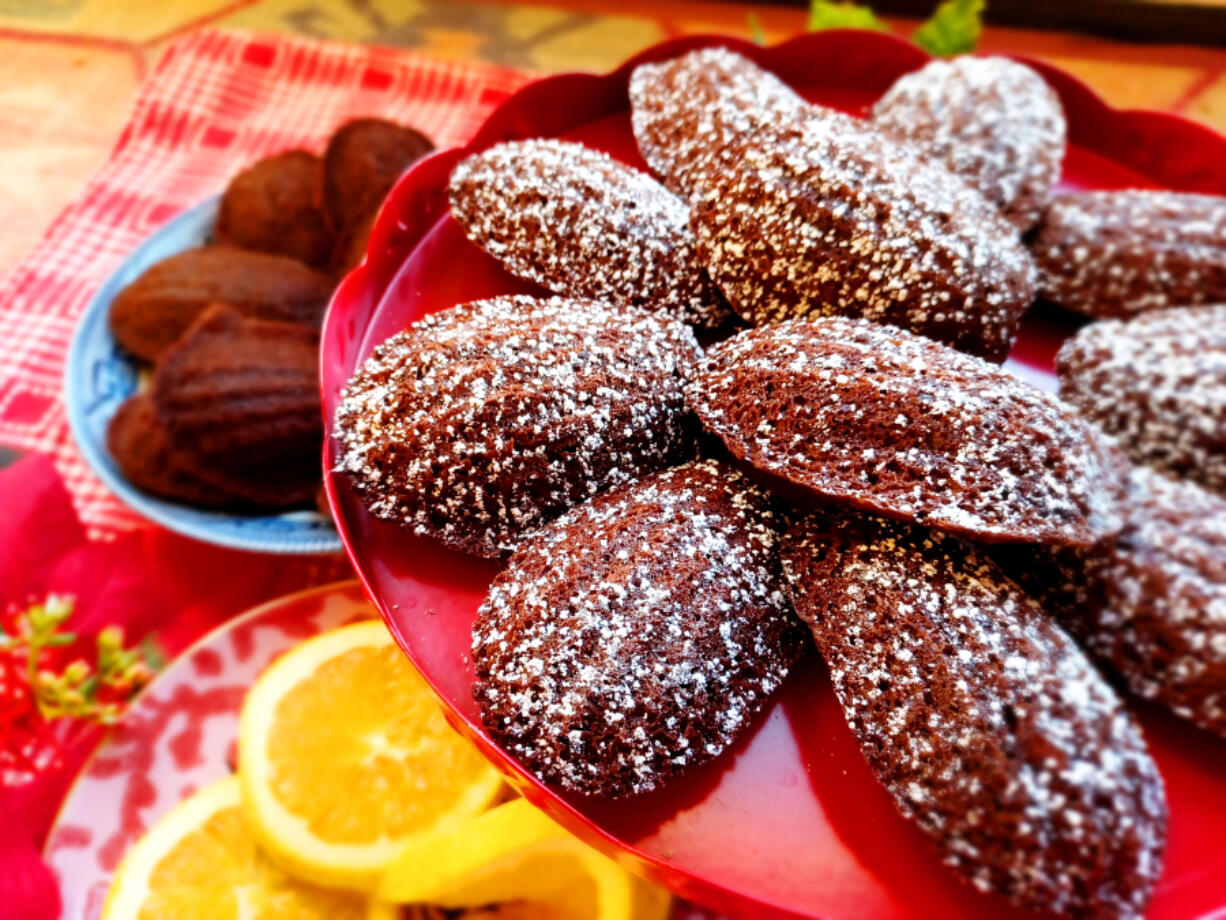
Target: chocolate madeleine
{"x":691,"y":113}
{"x":1116,"y":254}
{"x":1157,"y":383}
{"x":1150,"y":602}
{"x":155,"y":309}
{"x":891,"y":422}
{"x":478,"y":424}
{"x":276,"y":205}
{"x":981,"y":717}
{"x":351,"y":248}
{"x":137,"y":442}
{"x":638,"y":634}
{"x":837,"y":219}
{"x":579,"y":223}
{"x":990,"y":120}
{"x":364,"y":159}
{"x":239,"y":401}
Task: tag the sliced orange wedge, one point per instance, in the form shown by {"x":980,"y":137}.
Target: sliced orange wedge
{"x":345,"y":757}
{"x":516,"y":863}
{"x":200,"y":862}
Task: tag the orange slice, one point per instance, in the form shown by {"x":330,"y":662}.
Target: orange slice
{"x":516,"y":863}
{"x":345,"y":757}
{"x":200,"y":862}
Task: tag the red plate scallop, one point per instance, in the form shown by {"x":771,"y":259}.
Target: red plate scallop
{"x":790,"y":822}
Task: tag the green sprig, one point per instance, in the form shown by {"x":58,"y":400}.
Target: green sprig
{"x":827,"y":14}
{"x":954,"y":27}
{"x":87,"y":692}
{"x":756,"y":31}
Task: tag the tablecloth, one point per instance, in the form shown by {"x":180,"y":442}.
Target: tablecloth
{"x":154,"y":584}
{"x":215,"y":101}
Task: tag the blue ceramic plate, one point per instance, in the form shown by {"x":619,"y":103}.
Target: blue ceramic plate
{"x":99,"y":376}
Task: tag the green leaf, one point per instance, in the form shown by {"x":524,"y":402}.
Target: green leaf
{"x":155,"y":658}
{"x":89,"y":688}
{"x":755,"y":29}
{"x":953,"y":29}
{"x":826,"y":14}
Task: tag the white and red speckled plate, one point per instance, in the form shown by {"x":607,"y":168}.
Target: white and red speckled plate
{"x":178,"y":736}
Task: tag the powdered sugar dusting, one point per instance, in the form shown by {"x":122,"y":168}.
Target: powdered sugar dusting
{"x":477,"y":424}
{"x":1163,"y":623}
{"x":1116,"y":254}
{"x":889,"y":421}
{"x":579,"y":223}
{"x":1158,"y":384}
{"x":991,"y":120}
{"x":834,"y":218}
{"x":984,"y":721}
{"x":638,"y":634}
{"x":691,"y":113}
{"x":1150,"y":602}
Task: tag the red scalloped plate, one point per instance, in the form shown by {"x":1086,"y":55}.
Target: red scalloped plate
{"x":790,"y":822}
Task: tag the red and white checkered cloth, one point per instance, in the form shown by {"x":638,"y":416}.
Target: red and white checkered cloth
{"x":216,"y":101}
